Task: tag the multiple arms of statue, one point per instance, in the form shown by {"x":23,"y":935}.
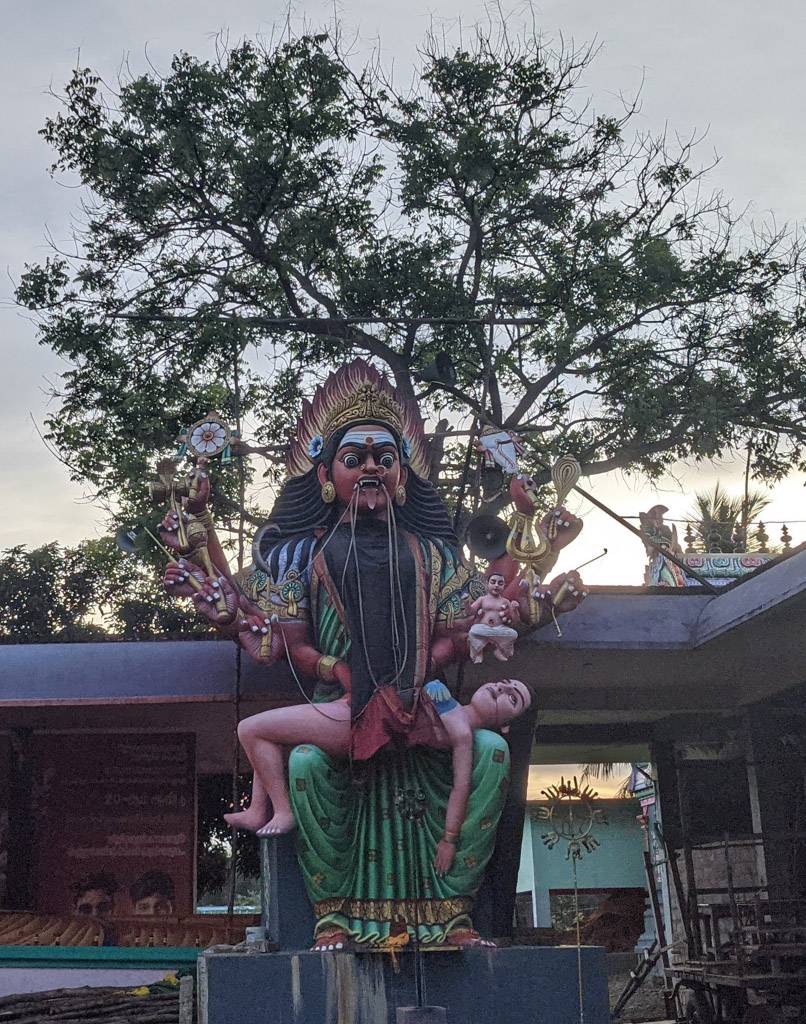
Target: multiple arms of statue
{"x":526,"y":604}
{"x":266,"y":629}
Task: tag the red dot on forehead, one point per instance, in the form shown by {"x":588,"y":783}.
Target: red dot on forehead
{"x":370,"y":440}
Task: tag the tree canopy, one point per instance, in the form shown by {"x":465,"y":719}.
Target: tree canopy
{"x":639,"y":320}
{"x":53,"y":594}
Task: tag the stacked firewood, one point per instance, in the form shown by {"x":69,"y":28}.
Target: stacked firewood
{"x":91,"y":1006}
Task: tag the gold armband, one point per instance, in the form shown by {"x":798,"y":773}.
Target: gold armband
{"x":325,"y":668}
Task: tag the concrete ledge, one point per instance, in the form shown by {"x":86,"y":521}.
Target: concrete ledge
{"x":517,"y":985}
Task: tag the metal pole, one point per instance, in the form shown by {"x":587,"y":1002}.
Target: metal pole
{"x":633,"y":529}
{"x":734,"y":910}
{"x":692,"y":900}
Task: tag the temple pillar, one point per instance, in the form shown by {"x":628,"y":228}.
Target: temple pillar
{"x":775,"y":773}
{"x":494,"y":907}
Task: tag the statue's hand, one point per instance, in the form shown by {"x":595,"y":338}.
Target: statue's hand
{"x":198,"y":503}
{"x":568,"y":527}
{"x":176,"y":578}
{"x":506,"y":613}
{"x":217,"y":601}
{"x":258,"y":636}
{"x":566,"y":589}
{"x":446,"y":852}
{"x":168,"y":531}
{"x":522,"y":490}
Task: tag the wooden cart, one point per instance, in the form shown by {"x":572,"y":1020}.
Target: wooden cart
{"x":746,"y":958}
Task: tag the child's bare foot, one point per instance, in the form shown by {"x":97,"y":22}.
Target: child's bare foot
{"x":501,"y":655}
{"x":282,"y":822}
{"x":249,"y":820}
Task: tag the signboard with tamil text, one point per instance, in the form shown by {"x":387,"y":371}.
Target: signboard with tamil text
{"x":115,"y":824}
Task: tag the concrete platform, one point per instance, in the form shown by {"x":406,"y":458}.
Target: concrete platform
{"x":516,"y":985}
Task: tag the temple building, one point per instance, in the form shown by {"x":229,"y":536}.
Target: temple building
{"x":104,"y":748}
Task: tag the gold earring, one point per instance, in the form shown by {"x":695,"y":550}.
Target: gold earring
{"x":400,"y":495}
{"x":328,"y":492}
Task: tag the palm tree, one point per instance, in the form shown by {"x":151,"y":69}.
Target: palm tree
{"x":606,"y":770}
{"x":720,"y":520}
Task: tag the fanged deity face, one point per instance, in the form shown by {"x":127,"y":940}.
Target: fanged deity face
{"x":495,"y":584}
{"x":367,"y":464}
{"x":498,"y":703}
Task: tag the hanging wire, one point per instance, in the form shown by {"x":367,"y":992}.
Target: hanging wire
{"x":693,"y":522}
{"x":236,"y":695}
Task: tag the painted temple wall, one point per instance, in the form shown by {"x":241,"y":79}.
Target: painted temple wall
{"x":616,"y":864}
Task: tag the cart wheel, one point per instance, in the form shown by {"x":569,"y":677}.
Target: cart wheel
{"x":760,"y":1015}
{"x":698,"y":1008}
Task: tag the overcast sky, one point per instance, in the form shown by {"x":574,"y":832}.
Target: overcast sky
{"x":731,"y":68}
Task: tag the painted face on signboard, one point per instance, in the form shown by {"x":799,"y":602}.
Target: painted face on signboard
{"x":95,"y":903}
{"x":155,"y":905}
{"x":152,"y":895}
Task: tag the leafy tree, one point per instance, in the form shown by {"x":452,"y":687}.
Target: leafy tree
{"x":643,"y":323}
{"x":90,"y":592}
{"x":214,"y":837}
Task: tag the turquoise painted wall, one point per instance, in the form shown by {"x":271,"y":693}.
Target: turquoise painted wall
{"x":616,"y":863}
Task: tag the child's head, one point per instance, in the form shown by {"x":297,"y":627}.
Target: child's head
{"x":495,"y":584}
{"x":497,"y":704}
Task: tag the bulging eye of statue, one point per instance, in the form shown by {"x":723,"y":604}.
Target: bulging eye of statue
{"x":387,"y":460}
{"x":352,"y":461}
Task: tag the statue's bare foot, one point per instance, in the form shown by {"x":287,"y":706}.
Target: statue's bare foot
{"x":468,"y":938}
{"x":249,"y":820}
{"x":282,"y":822}
{"x":330,"y":942}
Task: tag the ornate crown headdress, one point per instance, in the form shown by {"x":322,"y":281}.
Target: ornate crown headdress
{"x":356,"y":393}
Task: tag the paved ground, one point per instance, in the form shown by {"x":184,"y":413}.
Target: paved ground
{"x":647,"y":1004}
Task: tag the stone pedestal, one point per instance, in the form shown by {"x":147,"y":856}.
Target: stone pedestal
{"x":517,"y":985}
{"x":287,"y":912}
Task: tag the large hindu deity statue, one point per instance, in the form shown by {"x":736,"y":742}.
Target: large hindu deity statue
{"x":357,"y":579}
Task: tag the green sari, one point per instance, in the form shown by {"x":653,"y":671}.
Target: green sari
{"x":366,"y":867}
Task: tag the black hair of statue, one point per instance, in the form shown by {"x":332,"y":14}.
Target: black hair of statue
{"x":424,"y":512}
{"x":531,"y":690}
{"x":297,"y":512}
{"x":299,"y":509}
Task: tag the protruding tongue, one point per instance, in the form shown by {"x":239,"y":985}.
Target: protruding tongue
{"x":372,"y":496}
